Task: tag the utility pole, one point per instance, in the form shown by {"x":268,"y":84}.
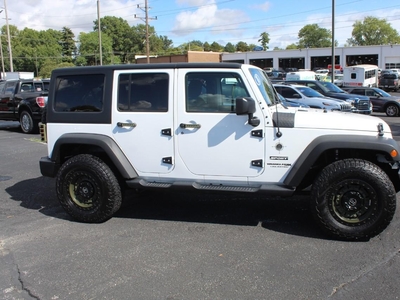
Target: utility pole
{"x":146,"y":10}
{"x":99,"y":30}
{"x":9,"y":38}
{"x":333,"y":43}
{"x":3,"y":74}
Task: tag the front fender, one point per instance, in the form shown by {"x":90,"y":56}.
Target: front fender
{"x":321,"y":144}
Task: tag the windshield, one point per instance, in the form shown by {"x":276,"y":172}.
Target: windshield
{"x":382,"y":93}
{"x":265,"y":86}
{"x":329,"y":86}
{"x":309,"y":92}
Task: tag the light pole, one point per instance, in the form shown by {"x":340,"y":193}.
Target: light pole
{"x":3,"y":74}
{"x":99,"y":30}
{"x":333,"y":42}
{"x":9,"y":38}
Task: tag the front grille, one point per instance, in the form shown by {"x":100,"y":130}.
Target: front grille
{"x":362,"y":105}
{"x":345,"y":106}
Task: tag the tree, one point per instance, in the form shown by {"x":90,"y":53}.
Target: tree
{"x":89,"y":48}
{"x":120,"y":33}
{"x":292,"y":47}
{"x":277,"y":48}
{"x":215,"y":47}
{"x":242,"y":47}
{"x":207,"y":47}
{"x":264,"y":40}
{"x":67,"y":43}
{"x":230,"y":48}
{"x":373,"y":31}
{"x":313,"y":36}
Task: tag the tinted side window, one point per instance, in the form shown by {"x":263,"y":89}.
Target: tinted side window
{"x":79,"y":93}
{"x":143,"y":92}
{"x":213,"y":91}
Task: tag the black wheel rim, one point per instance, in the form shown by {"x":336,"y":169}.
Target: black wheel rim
{"x":353,"y":202}
{"x":83,"y":190}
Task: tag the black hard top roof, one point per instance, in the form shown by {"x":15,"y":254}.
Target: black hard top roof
{"x":92,"y":69}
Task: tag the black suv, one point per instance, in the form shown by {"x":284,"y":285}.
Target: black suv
{"x":362,"y":104}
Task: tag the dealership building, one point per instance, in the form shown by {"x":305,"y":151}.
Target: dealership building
{"x":385,"y":57}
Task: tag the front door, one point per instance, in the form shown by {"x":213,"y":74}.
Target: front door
{"x":211,"y":139}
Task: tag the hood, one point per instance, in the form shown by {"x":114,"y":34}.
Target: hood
{"x":334,"y":120}
{"x":346,"y":96}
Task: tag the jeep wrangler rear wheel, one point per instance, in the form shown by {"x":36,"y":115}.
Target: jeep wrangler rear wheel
{"x":353,"y":199}
{"x":87,"y":189}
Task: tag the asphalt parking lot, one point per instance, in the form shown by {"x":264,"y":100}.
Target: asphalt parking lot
{"x":177,"y":245}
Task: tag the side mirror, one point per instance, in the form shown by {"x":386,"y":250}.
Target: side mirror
{"x":247,"y":105}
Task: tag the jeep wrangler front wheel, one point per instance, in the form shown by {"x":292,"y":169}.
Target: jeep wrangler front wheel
{"x":87,"y":189}
{"x":353,"y":199}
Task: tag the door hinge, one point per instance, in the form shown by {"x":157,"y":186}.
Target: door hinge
{"x":167,"y":160}
{"x":257,"y":163}
{"x":166,"y":131}
{"x":257,"y":133}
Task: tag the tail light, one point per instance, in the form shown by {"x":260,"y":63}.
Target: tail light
{"x":40,"y":101}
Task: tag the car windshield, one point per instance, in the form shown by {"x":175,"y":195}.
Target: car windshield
{"x":309,"y":92}
{"x":330,"y":87}
{"x":382,"y":93}
{"x":265,"y":86}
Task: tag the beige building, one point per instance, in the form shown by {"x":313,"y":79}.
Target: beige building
{"x":191,"y":56}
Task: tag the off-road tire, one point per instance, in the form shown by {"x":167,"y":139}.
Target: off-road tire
{"x":392,"y":110}
{"x":353,"y":199}
{"x":28,"y":125}
{"x":87,"y":189}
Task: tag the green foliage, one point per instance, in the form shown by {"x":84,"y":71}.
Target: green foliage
{"x":373,"y":31}
{"x":49,"y":66}
{"x":313,"y":36}
{"x":89,"y":48}
{"x":230,"y":48}
{"x":242,"y":47}
{"x":264,"y":40}
{"x":215,"y":47}
{"x":292,"y":46}
{"x":67,"y":43}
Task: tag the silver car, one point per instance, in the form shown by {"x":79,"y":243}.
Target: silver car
{"x":311,"y":97}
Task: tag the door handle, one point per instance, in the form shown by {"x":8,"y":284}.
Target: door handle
{"x":121,"y":124}
{"x":183,"y":125}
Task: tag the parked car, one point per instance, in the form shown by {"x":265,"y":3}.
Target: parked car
{"x":361,"y":104}
{"x":389,"y":81}
{"x":311,"y":97}
{"x":338,"y":80}
{"x":291,"y":103}
{"x":381,"y":100}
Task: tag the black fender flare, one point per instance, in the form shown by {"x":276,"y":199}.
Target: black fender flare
{"x":106,"y":143}
{"x":324,"y":143}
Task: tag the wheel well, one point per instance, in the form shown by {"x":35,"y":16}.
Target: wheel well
{"x":331,"y":155}
{"x":69,"y":150}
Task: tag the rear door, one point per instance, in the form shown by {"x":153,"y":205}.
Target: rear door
{"x":142,"y":118}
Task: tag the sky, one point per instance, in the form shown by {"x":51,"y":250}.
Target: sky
{"x":220,"y":21}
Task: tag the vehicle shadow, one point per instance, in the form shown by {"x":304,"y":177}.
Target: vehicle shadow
{"x":290,"y":216}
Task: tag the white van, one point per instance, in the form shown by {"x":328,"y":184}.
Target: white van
{"x":361,"y":75}
{"x":301,"y":75}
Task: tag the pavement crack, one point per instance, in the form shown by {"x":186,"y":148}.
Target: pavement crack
{"x":365,"y":272}
{"x":11,"y":270}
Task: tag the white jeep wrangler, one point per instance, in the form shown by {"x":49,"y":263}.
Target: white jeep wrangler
{"x":218,"y":127}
